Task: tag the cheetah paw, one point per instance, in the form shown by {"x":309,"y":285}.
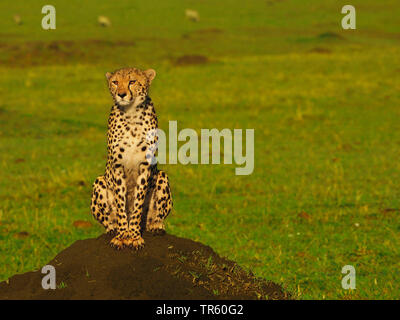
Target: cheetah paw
{"x":157,"y":228}
{"x":134,"y":243}
{"x":157,"y":231}
{"x":111,"y":232}
{"x":117,"y":242}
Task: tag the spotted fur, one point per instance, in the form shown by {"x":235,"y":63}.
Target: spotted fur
{"x":132,"y":194}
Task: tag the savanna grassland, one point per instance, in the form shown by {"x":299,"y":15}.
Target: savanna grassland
{"x":324,"y":103}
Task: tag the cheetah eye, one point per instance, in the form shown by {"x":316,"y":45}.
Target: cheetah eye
{"x":115,"y":82}
{"x":132,"y":82}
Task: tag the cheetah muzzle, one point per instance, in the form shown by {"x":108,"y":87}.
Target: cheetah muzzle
{"x":133,"y":194}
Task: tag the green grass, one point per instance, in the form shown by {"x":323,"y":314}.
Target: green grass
{"x":325,"y":189}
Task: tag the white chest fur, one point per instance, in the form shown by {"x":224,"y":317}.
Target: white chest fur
{"x":130,"y":138}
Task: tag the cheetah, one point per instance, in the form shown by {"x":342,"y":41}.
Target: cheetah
{"x":132,"y":195}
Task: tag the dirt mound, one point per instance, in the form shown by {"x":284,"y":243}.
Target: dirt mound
{"x":330,"y":36}
{"x":191,"y":60}
{"x":35,"y":53}
{"x":320,"y":50}
{"x":167,"y":268}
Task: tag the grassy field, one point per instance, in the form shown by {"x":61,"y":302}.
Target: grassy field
{"x":324,"y":103}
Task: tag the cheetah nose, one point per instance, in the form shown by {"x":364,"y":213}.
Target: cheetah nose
{"x":122,"y":94}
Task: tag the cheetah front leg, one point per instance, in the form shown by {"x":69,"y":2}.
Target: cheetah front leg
{"x":135,"y":215}
{"x":100,"y":205}
{"x":123,"y":235}
{"x":160,"y":204}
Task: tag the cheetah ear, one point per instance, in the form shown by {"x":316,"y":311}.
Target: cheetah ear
{"x":108,"y":75}
{"x":150,"y":74}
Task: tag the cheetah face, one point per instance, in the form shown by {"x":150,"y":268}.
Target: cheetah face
{"x":129,"y":86}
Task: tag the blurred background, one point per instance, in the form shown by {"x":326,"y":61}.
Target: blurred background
{"x":324,"y":103}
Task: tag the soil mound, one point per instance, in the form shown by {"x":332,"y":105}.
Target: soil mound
{"x":168,"y":267}
{"x":191,"y":60}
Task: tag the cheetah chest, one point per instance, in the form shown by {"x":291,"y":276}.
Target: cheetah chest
{"x":132,"y":155}
{"x":132,"y":149}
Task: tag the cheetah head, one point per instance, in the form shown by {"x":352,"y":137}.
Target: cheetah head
{"x":129,"y":86}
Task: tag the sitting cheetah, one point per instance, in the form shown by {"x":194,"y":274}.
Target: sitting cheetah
{"x":132,"y":193}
